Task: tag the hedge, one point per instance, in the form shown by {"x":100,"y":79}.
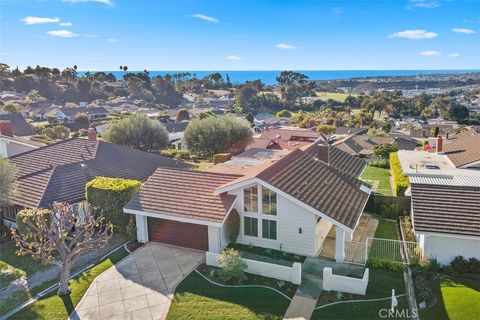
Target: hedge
{"x":387,"y":264}
{"x":221,"y":157}
{"x":400,"y":182}
{"x":110,"y":195}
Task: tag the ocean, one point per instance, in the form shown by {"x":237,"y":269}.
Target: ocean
{"x":269,"y":77}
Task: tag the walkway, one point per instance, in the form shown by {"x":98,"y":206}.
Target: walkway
{"x":140,"y":286}
{"x":36,"y":279}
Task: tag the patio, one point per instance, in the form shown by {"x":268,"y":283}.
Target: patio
{"x":355,"y":249}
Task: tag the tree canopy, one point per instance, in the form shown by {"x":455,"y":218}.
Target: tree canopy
{"x":139,"y":132}
{"x":216,"y":134}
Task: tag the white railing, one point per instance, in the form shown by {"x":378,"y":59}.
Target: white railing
{"x":395,"y":250}
{"x":355,"y":252}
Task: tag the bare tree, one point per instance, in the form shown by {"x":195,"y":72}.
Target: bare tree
{"x":44,"y":232}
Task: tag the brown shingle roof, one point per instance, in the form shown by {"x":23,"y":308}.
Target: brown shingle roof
{"x":59,"y":172}
{"x":184,"y":194}
{"x":323,"y":187}
{"x":19,"y":124}
{"x":446,"y":209}
{"x":287,"y":135}
{"x":463,"y":148}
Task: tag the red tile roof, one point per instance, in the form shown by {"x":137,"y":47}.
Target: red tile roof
{"x":184,"y":194}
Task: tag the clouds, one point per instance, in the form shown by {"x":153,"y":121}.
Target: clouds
{"x":463,"y":30}
{"x":109,"y":2}
{"x":417,"y":34}
{"x":286,"y":46}
{"x":423,"y":4}
{"x":430,"y":53}
{"x":204,"y":18}
{"x":62,"y":34}
{"x":454,"y":55}
{"x":38,"y":20}
{"x":65,"y":24}
{"x":113,"y":40}
{"x":233,"y":58}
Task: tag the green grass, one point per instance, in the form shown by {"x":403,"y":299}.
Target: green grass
{"x":53,"y":307}
{"x":386,"y":229}
{"x":17,"y":265}
{"x":196,"y":298}
{"x":380,"y":286}
{"x":372,"y":174}
{"x":457,"y":299}
{"x":202,"y":166}
{"x":333,"y":95}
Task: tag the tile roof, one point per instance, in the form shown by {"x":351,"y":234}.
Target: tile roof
{"x":463,"y":149}
{"x":446,"y":209}
{"x":287,"y":135}
{"x":59,"y":172}
{"x":184,"y":194}
{"x":71,"y":112}
{"x":19,"y":124}
{"x":319,"y":185}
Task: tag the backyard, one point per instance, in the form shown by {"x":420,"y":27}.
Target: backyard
{"x":378,"y":179}
{"x":197,"y":298}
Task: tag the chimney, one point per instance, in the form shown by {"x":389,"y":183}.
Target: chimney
{"x":439,"y":145}
{"x":6,"y":128}
{"x":92,"y":135}
{"x":323,"y":153}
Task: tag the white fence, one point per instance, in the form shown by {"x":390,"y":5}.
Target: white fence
{"x":395,"y":250}
{"x":355,"y":252}
{"x":345,"y":284}
{"x":292,"y":274}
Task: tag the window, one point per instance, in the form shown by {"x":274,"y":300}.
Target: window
{"x":269,"y":202}
{"x":250,"y":226}
{"x":269,"y":229}
{"x":250,"y":199}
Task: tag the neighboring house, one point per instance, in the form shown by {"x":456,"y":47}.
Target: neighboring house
{"x":445,"y":191}
{"x":176,"y":132}
{"x":289,"y":138}
{"x":288,"y":204}
{"x":273,"y":122}
{"x":59,"y":172}
{"x":15,"y":135}
{"x":19,"y":125}
{"x":68,"y":114}
{"x":363,"y":145}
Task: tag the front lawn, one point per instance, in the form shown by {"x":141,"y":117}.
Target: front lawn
{"x":13,"y":267}
{"x":378,"y":177}
{"x":457,"y":298}
{"x":387,"y":229}
{"x":380,"y":286}
{"x":197,"y":298}
{"x":53,"y":307}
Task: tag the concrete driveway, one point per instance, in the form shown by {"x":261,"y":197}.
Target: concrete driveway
{"x":140,"y":286}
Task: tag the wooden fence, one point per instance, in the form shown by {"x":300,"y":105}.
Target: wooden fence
{"x":388,"y":206}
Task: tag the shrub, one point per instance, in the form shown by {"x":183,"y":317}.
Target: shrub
{"x":384,"y":163}
{"x":383,"y":150}
{"x":182,"y":115}
{"x":232,"y":267}
{"x":110,"y":195}
{"x":400,"y":182}
{"x":178,"y":154}
{"x":221,"y":157}
{"x":387,"y":210}
{"x":131,"y":229}
{"x":23,"y":215}
{"x":233,"y":225}
{"x":284,"y":114}
{"x":462,"y":265}
{"x":387,"y":264}
{"x":326,"y":129}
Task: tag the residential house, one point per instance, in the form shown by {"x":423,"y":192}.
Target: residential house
{"x":445,"y":191}
{"x":363,"y":145}
{"x":59,"y":172}
{"x":287,"y":138}
{"x":287,"y":203}
{"x":68,"y":114}
{"x":176,"y":132}
{"x":15,"y":135}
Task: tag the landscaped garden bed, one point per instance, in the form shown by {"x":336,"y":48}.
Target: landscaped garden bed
{"x":267,"y":255}
{"x":285,"y":287}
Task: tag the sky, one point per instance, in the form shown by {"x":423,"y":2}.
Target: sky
{"x":241,"y":35}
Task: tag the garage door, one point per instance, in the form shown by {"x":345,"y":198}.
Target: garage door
{"x":176,"y":233}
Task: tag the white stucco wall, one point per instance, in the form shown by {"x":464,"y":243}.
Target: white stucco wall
{"x":292,"y":274}
{"x":290,"y":219}
{"x":333,"y":282}
{"x":446,"y":247}
{"x":321,"y":231}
